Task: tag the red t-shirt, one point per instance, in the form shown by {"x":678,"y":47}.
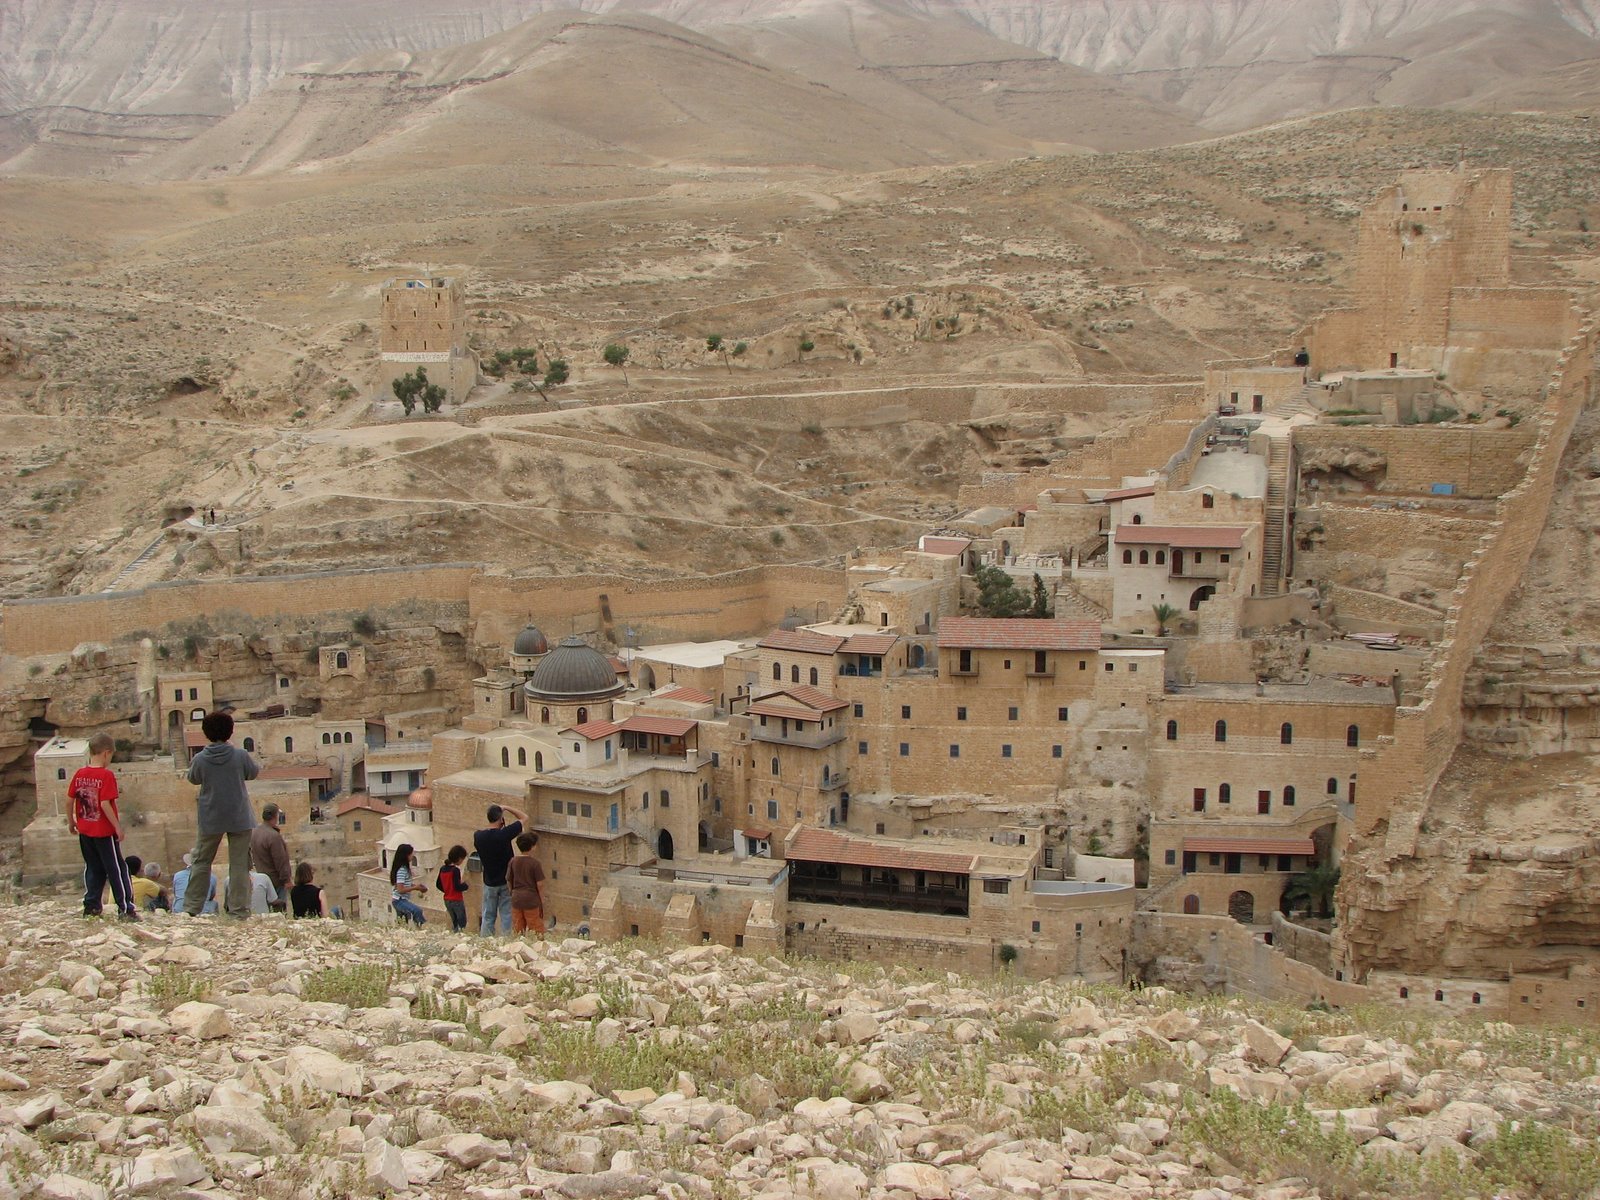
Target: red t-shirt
{"x":93,"y":794}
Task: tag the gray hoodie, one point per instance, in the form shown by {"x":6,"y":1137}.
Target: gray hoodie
{"x":221,"y":770}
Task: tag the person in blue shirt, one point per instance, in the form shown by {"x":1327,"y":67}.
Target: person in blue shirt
{"x":180,"y":882}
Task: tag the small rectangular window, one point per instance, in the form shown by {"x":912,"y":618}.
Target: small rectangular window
{"x":1055,"y":751}
{"x":572,"y":808}
{"x":555,"y":807}
{"x":955,"y":751}
{"x":861,"y":747}
{"x":1062,"y":714}
{"x":905,"y":712}
{"x":961,"y":713}
{"x":905,"y":749}
{"x":859,"y":710}
{"x":716,"y":759}
{"x":585,"y":810}
{"x":1005,"y":750}
{"x":1171,"y":858}
{"x":772,"y":810}
{"x":1011,"y":713}
{"x":997,"y":887}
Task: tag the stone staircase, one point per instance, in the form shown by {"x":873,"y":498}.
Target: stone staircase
{"x":1275,"y":533}
{"x":1073,"y":604}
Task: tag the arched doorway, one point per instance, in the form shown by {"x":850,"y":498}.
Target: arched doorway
{"x":1242,"y":907}
{"x":1201,"y":594}
{"x":664,"y":846}
{"x":1191,"y":906}
{"x":647,"y":677}
{"x":705,"y":837}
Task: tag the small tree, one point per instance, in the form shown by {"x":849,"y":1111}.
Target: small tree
{"x":998,"y":594}
{"x":413,"y":387}
{"x":1164,"y":614}
{"x":1041,"y":599}
{"x":616,"y":355}
{"x":739,"y":349}
{"x":555,"y":374}
{"x":806,"y":347}
{"x":714,"y":345}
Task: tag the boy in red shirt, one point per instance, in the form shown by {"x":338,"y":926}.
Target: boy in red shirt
{"x":92,"y":815}
{"x":453,"y":889}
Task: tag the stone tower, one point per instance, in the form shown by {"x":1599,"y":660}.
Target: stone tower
{"x":424,"y":324}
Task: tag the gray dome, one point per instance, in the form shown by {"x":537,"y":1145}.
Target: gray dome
{"x":574,"y":670}
{"x":531,"y":641}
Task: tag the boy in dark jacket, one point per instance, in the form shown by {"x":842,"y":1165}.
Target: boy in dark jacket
{"x":223,"y":807}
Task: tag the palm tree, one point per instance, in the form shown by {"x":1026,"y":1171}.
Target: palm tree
{"x":1314,"y":887}
{"x":1164,"y":613}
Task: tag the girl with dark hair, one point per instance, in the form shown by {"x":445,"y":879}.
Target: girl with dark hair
{"x":453,"y":889}
{"x":306,"y":898}
{"x":402,"y":887}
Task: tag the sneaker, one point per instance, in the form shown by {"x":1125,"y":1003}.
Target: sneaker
{"x":130,"y":915}
{"x":91,"y":914}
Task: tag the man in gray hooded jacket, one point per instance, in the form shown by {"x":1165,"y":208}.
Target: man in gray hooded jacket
{"x":221,"y":770}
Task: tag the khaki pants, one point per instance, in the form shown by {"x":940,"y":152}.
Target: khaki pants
{"x":237,"y":901}
{"x":528,"y":920}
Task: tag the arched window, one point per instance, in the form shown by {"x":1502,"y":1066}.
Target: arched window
{"x":1405,"y":992}
{"x":522,"y":756}
{"x":250,"y":745}
{"x":544,"y":714}
{"x":288,"y":745}
{"x":341,"y":660}
{"x":326,"y":738}
{"x":645,"y":801}
{"x":794,"y":674}
{"x":813,"y":677}
{"x":1161,"y":558}
{"x":777,"y":672}
{"x":1172,"y":731}
{"x":1137,"y":519}
{"x":538,"y":761}
{"x":824,"y":774}
{"x":1352,"y":736}
{"x":1127,"y":556}
{"x":1207,"y":500}
{"x":583,"y":716}
{"x":666,"y":798}
{"x":1286,"y":734}
{"x":1144,"y":558}
{"x":1288,"y":796}
{"x":774,"y":766}
{"x":1222,"y":731}
{"x":1224,"y":793}
{"x":505,"y":756}
{"x":1333,"y":786}
{"x":61,"y":772}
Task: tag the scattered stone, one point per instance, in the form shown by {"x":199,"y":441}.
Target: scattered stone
{"x":201,"y":1020}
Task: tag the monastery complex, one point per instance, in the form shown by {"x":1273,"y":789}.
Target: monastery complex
{"x":1267,"y":598}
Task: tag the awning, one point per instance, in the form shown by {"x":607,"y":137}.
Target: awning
{"x":1245,"y":845}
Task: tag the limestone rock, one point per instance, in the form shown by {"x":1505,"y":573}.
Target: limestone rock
{"x":201,"y":1020}
{"x":1266,"y":1046}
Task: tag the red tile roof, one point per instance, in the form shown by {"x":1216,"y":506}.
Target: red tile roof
{"x":1197,"y":537}
{"x":825,"y":845}
{"x":592,"y":730}
{"x":813,"y":697}
{"x":365,"y":803}
{"x":759,"y":835}
{"x":290,"y":772}
{"x":617,"y":665}
{"x":666,"y":726}
{"x":943,"y":545}
{"x":1017,"y":633}
{"x":1224,"y":845}
{"x":870,"y":643}
{"x":763,"y":708}
{"x":1131,"y":493}
{"x":803,"y":640}
{"x":687,"y":695}
{"x":194,"y":738}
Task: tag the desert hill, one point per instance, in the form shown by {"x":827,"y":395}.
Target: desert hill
{"x":92,"y":87}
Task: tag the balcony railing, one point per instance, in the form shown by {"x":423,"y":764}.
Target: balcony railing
{"x":871,"y":895}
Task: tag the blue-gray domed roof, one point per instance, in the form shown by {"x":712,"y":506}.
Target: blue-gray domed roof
{"x":574,"y":670}
{"x":531,"y":641}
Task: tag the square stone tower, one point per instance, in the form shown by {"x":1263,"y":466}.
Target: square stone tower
{"x":424,"y":324}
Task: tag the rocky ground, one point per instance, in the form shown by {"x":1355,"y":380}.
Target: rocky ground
{"x":198,"y":1059}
